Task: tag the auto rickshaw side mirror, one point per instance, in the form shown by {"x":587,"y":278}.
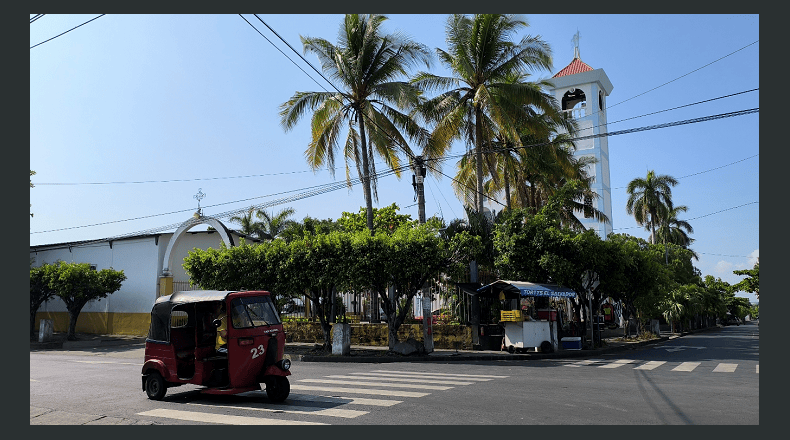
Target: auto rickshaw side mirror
{"x":217,"y":323}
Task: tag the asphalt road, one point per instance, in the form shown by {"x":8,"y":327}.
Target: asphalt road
{"x":710,"y":378}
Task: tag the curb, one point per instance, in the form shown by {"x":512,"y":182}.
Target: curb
{"x":478,"y":357}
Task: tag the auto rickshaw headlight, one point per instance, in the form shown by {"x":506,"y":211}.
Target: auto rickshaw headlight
{"x":285,"y":363}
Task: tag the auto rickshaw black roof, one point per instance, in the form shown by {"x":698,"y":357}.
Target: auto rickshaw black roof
{"x":193,"y":296}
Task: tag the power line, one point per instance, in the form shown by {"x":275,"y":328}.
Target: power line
{"x":695,"y":70}
{"x":36,"y":17}
{"x":75,"y":27}
{"x":706,"y":171}
{"x":405,"y":148}
{"x":174,"y":180}
{"x":695,"y":218}
{"x":308,"y":192}
{"x":620,"y":132}
{"x":286,"y":56}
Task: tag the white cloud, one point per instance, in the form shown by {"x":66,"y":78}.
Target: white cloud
{"x":723,"y":268}
{"x":753,"y":258}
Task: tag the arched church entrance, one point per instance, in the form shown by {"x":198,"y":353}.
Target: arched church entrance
{"x":166,"y":277}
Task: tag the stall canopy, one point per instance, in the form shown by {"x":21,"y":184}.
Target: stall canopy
{"x":524,"y":288}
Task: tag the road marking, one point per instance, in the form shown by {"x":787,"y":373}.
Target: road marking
{"x":757,"y":370}
{"x":378,"y":384}
{"x":445,"y":375}
{"x":34,"y":380}
{"x":650,"y":365}
{"x":585,"y":362}
{"x":686,"y":366}
{"x":617,"y":363}
{"x":393,"y":393}
{"x":343,"y":400}
{"x":725,"y":368}
{"x":219,"y":418}
{"x":403,"y":379}
{"x":106,"y":362}
{"x":330,"y":412}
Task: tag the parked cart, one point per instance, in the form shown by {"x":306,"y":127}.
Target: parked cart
{"x":522,"y":332}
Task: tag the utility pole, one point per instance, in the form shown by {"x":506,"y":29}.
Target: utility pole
{"x":418,"y":181}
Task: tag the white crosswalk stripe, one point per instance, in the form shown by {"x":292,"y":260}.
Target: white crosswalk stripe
{"x":402,"y":379}
{"x":585,"y":363}
{"x":338,"y":391}
{"x":377,"y":392}
{"x":482,"y":377}
{"x":331,"y":412}
{"x":652,"y":365}
{"x":342,"y":400}
{"x":378,"y":384}
{"x":687,"y":366}
{"x":225,"y":419}
{"x":725,"y":368}
{"x":617,"y":363}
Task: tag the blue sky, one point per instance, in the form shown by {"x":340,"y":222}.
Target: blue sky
{"x":179,"y":98}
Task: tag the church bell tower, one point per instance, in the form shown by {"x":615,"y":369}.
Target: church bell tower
{"x":582,"y":91}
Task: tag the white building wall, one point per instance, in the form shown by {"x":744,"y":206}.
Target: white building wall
{"x":137,"y":259}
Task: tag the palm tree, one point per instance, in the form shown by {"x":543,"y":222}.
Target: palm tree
{"x":274,"y":224}
{"x":650,"y":199}
{"x":248,"y":225}
{"x":675,"y":231}
{"x":365,"y":64}
{"x":482,"y":98}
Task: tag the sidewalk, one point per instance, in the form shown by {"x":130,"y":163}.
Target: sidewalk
{"x":307,"y":352}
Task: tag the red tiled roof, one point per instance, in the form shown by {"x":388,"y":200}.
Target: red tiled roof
{"x":576,"y":66}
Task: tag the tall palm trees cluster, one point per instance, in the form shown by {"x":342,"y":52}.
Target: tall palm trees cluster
{"x":268,"y":224}
{"x":650,"y":202}
{"x":519,"y":144}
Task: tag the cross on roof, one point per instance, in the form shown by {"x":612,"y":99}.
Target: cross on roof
{"x":199,"y":196}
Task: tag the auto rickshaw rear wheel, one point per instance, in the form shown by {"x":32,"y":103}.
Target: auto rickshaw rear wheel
{"x":278,"y":388}
{"x":155,"y":386}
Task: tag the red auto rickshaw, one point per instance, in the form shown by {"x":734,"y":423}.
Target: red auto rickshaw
{"x":181,"y":344}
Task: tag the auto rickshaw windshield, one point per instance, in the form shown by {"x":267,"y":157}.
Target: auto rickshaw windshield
{"x":253,"y":312}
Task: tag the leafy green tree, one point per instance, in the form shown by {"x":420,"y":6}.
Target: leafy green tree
{"x":308,"y":226}
{"x":319,"y":267}
{"x":366,"y":65}
{"x":751,"y":283}
{"x":77,"y":284}
{"x":482,"y":98}
{"x":385,"y":219}
{"x":649,"y":199}
{"x":405,"y":260}
{"x":645,"y":280}
{"x":40,"y":292}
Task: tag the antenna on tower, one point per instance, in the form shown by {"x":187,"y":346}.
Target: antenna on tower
{"x":575,"y":40}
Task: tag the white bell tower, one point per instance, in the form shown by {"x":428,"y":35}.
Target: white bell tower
{"x":582,"y":91}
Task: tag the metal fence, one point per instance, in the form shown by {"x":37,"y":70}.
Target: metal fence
{"x":365,"y":306}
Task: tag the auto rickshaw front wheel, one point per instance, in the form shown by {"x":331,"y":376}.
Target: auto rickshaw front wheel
{"x":155,"y":386}
{"x":278,"y":388}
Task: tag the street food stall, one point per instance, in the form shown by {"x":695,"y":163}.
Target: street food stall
{"x":528,"y":329}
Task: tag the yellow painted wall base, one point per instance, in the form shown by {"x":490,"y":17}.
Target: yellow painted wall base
{"x":133,"y":324}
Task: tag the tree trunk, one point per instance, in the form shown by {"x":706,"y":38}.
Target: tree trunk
{"x":507,"y":190}
{"x":365,"y":172}
{"x":71,"y":335}
{"x":479,"y":157}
